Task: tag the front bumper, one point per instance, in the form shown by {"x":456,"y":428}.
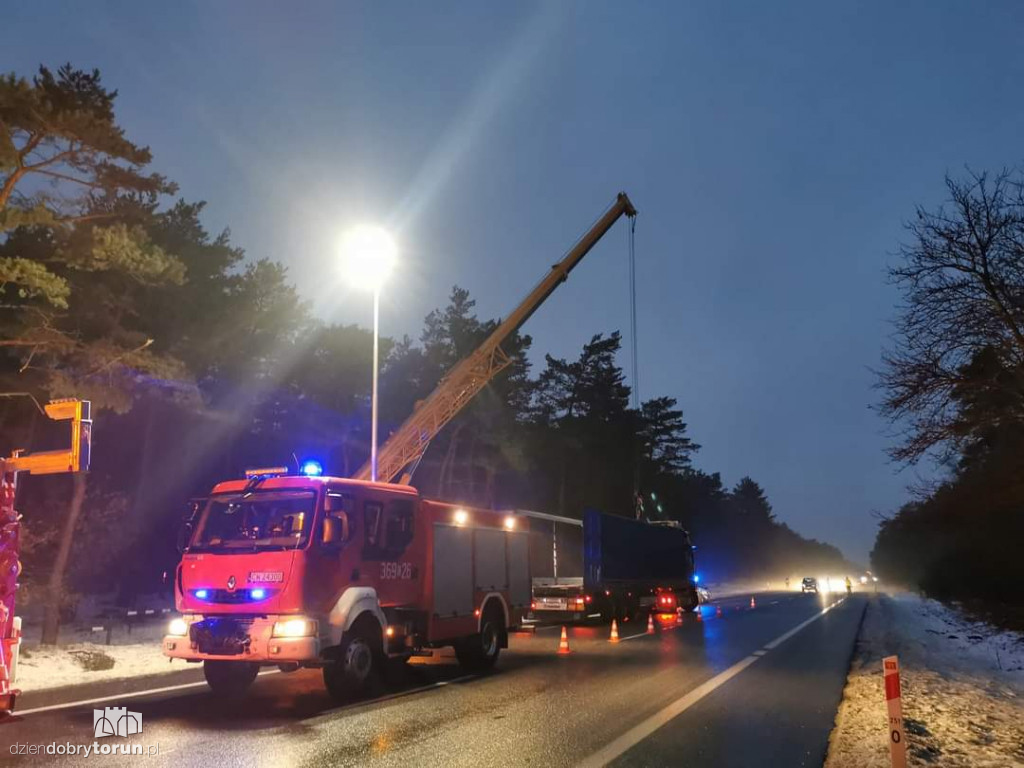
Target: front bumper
{"x":254,"y":641}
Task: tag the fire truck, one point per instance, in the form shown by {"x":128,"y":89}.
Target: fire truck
{"x":74,"y":458}
{"x":345,"y":574}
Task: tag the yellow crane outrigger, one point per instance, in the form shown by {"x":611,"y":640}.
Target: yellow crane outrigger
{"x":74,"y":458}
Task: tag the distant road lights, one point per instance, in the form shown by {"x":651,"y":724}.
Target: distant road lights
{"x":368,"y":256}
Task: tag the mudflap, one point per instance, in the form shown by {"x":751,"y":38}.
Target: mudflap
{"x":7,"y":703}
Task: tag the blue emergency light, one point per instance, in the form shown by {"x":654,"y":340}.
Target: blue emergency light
{"x":202,"y":594}
{"x":311,"y":468}
{"x":257,"y":594}
{"x":696,"y":578}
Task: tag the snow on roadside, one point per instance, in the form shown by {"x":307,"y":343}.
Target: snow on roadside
{"x":82,"y":656}
{"x":963,"y":689}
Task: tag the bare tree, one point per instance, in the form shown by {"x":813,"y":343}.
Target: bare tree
{"x":955,"y":369}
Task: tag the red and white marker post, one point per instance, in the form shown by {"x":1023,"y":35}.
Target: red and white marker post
{"x":897,"y":740}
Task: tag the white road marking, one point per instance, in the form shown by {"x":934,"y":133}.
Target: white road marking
{"x":634,"y":637}
{"x":640,"y":732}
{"x":119,"y":696}
{"x":186,"y":686}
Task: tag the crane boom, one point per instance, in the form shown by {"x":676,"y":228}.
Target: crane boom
{"x":471,"y":374}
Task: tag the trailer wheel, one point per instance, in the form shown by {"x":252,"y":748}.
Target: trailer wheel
{"x":229,"y":678}
{"x":479,"y":652}
{"x":358,"y":658}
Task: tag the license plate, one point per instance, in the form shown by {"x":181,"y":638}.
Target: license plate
{"x":553,"y":603}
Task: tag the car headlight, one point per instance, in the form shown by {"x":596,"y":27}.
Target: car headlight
{"x":178,"y":627}
{"x":294,"y":628}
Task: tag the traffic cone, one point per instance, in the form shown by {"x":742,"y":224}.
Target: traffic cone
{"x":700,"y":615}
{"x":563,"y":644}
{"x":753,"y":604}
{"x":615,"y":633}
{"x":679,"y":618}
{"x":718,"y":611}
{"x":650,"y":623}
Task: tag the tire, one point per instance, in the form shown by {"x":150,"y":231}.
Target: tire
{"x":229,"y":678}
{"x":359,"y":659}
{"x":479,"y":652}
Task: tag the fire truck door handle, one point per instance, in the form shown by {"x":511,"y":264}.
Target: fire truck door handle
{"x":355,"y":574}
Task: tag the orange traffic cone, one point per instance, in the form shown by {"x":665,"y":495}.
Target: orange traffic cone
{"x":563,"y":644}
{"x":718,"y":611}
{"x":679,"y":619}
{"x":700,"y":615}
{"x":753,"y":604}
{"x":615,"y":633}
{"x":650,"y":623}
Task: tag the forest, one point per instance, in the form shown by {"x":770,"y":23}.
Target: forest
{"x":201,"y":362}
{"x":953,"y":386}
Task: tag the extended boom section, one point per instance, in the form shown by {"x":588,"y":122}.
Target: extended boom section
{"x":408,"y":444}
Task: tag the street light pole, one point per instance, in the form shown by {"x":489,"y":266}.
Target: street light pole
{"x":373,"y":394}
{"x":368,"y":256}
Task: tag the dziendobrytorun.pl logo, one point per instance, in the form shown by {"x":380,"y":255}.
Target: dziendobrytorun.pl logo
{"x":107,"y":722}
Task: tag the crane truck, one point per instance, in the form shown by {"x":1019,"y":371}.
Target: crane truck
{"x":346,"y":573}
{"x":74,"y":458}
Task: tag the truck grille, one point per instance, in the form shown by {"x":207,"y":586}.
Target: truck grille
{"x":221,"y":637}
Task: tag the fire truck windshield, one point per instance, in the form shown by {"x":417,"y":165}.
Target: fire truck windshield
{"x":255,"y":522}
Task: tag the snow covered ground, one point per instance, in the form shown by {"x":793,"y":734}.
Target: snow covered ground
{"x":963,"y":689}
{"x":83,"y":656}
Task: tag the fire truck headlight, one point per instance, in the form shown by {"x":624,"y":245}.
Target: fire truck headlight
{"x":294,"y":628}
{"x":178,"y":627}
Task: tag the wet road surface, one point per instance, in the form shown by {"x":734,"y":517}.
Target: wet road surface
{"x":741,"y":687}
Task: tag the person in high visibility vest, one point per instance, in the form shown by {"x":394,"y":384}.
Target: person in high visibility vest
{"x":849,"y":585}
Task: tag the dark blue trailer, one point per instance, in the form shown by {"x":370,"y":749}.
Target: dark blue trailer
{"x":606,"y":566}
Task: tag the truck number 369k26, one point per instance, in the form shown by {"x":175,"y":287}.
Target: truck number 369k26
{"x":396,"y":570}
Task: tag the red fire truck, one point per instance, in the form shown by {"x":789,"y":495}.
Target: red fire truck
{"x":343,"y":574}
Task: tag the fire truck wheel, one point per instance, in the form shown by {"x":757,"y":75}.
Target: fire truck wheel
{"x":356,"y":662}
{"x":479,"y":652}
{"x":229,"y":678}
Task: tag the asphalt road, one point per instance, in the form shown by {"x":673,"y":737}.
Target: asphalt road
{"x":741,"y":687}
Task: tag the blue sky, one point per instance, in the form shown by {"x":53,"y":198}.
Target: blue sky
{"x":773,"y":151}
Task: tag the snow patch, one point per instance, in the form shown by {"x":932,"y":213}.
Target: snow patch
{"x":85,"y":658}
{"x":963,"y":689}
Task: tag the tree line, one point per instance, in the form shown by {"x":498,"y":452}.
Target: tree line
{"x":953,"y":385}
{"x":200,"y":362}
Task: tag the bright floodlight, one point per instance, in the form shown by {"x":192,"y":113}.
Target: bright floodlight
{"x":368,"y":256}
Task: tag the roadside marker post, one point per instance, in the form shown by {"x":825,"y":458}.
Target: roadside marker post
{"x":897,"y":737}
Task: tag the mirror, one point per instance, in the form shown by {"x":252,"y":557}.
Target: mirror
{"x":335,"y":530}
{"x":184,"y":536}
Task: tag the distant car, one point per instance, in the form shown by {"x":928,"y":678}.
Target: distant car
{"x":809,"y":584}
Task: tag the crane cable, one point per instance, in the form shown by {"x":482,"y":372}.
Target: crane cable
{"x":632,"y":313}
{"x":634,"y":361}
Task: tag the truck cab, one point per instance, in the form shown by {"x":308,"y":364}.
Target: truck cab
{"x":341,"y":574}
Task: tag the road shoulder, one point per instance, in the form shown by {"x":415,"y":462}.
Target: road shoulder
{"x":963,"y":689}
